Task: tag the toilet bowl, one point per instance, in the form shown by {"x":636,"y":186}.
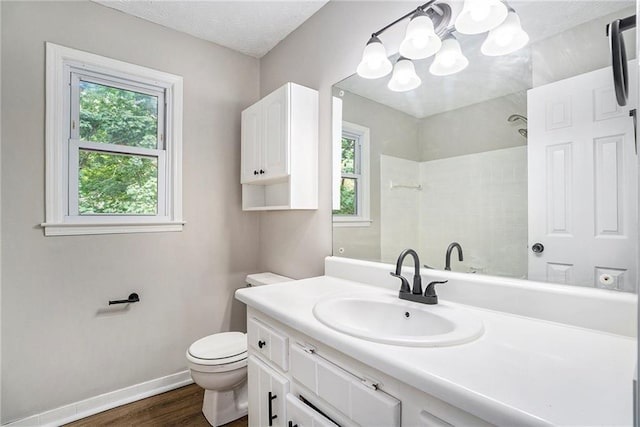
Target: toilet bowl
{"x":218,"y":364}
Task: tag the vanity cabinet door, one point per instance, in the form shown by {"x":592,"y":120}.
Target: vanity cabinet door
{"x":267,"y":395}
{"x":301,"y":415}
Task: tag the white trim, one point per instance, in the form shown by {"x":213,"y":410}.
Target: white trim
{"x":364,"y":196}
{"x":59,"y":61}
{"x":68,"y":229}
{"x":351,"y":222}
{"x":336,"y":136}
{"x":0,"y":215}
{"x":93,"y":405}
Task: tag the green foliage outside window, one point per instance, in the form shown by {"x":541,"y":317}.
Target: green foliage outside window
{"x":112,"y":183}
{"x":348,"y":185}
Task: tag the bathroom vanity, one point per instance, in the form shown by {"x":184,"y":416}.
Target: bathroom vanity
{"x":522,"y":368}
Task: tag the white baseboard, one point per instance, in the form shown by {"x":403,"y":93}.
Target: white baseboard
{"x":93,"y":405}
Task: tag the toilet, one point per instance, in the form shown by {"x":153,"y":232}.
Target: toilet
{"x":218,"y":364}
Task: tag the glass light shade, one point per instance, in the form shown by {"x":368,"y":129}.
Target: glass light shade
{"x":404,"y":76}
{"x":374,"y":63}
{"x":449,"y":59}
{"x":505,"y":39}
{"x":480,"y":16}
{"x":421,"y":40}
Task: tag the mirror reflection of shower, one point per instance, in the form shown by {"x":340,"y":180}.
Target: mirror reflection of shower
{"x":518,"y":117}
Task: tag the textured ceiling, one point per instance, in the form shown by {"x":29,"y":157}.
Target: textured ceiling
{"x":250,"y":27}
{"x":486,"y":77}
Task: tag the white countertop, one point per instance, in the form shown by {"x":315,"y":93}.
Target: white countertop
{"x":520,"y":371}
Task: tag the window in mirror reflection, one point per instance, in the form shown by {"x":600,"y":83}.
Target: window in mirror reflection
{"x":354,"y":179}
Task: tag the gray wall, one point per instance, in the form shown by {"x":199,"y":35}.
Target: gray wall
{"x":473,"y":129}
{"x":321,"y":52}
{"x":552,"y":60}
{"x":58,"y":344}
{"x":393,"y":133}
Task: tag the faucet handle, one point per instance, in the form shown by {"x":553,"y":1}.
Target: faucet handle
{"x":405,"y":283}
{"x":430,"y":290}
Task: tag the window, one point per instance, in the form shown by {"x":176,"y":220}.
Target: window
{"x":113,"y":146}
{"x":354,"y":177}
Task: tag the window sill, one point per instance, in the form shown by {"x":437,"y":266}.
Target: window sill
{"x":351,"y":222}
{"x":76,"y":229}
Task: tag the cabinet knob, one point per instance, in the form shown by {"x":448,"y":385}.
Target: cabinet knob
{"x":255,"y":172}
{"x":261,"y":343}
{"x":261,"y":172}
{"x":291,"y":424}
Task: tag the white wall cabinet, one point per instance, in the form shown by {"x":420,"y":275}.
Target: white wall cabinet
{"x":279,"y":167}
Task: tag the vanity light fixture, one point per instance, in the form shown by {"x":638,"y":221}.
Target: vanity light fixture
{"x":430,"y":32}
{"x":421,"y":40}
{"x":480,"y":16}
{"x":374,"y":63}
{"x":449,"y":59}
{"x":404,"y":76}
{"x":506,"y":38}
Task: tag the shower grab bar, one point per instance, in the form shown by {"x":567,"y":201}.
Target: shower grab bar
{"x":132,"y":298}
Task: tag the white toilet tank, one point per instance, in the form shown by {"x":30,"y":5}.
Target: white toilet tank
{"x":260,"y":279}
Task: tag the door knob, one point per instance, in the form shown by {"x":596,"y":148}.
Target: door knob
{"x":537,"y":248}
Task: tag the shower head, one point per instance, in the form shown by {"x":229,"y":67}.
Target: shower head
{"x":515,"y":117}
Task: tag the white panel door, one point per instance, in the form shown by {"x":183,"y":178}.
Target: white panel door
{"x":582,"y":183}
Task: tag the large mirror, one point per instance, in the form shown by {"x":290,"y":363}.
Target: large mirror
{"x":526,"y":159}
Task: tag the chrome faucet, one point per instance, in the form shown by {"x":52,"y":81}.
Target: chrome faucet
{"x":447,"y":259}
{"x":415,"y":294}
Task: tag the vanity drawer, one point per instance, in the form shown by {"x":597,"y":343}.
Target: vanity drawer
{"x":269,"y":342}
{"x":301,"y":415}
{"x":344,"y":391}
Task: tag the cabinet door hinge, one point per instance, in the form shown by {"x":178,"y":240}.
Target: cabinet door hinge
{"x":307,"y":348}
{"x":371,"y":383}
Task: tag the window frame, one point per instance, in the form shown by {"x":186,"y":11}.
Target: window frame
{"x":65,"y":67}
{"x":361,"y":135}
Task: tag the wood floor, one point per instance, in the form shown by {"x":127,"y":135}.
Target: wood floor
{"x":180,"y":407}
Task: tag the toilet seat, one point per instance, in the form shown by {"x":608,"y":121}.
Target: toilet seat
{"x":219,"y":352}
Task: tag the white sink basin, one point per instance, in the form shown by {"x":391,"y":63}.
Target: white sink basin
{"x":390,"y":320}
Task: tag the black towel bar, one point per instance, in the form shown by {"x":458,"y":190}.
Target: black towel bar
{"x":132,"y":298}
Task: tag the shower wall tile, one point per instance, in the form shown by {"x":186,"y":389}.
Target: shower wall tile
{"x":397,"y":235}
{"x":480,"y":201}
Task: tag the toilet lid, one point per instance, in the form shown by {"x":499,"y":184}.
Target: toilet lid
{"x":219,"y":346}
